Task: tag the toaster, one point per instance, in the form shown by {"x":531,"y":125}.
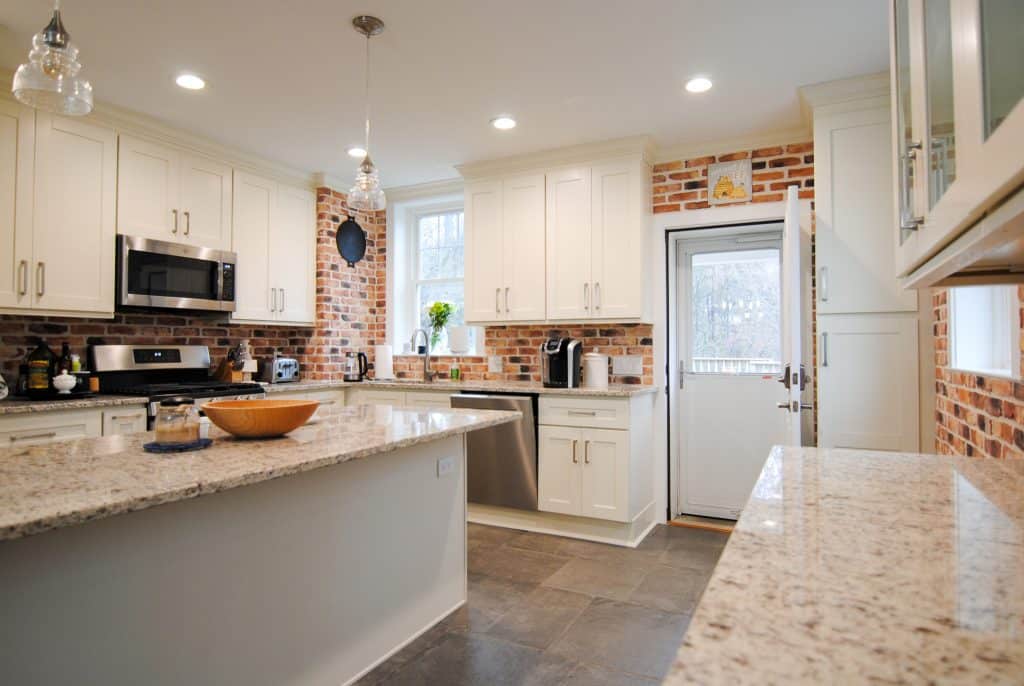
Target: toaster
{"x":280,"y":369}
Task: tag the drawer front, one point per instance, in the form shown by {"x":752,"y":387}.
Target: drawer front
{"x":327,"y":399}
{"x":420,"y":399}
{"x":598,"y":413}
{"x":122,"y":421}
{"x":21,"y":430}
{"x":370,"y":397}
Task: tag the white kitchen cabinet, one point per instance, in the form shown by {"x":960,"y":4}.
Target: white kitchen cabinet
{"x":558,"y":472}
{"x":274,"y":236}
{"x":504,"y":224}
{"x":868,"y":382}
{"x":72,"y":264}
{"x":169,"y":194}
{"x":371,"y":396}
{"x":853,"y":187}
{"x":20,"y":430}
{"x":328,"y":398}
{"x":618,"y":245}
{"x":17,"y":158}
{"x":569,"y":235}
{"x":428,"y":400}
{"x":123,"y":421}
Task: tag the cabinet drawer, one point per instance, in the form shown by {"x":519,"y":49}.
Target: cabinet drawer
{"x":600,"y":413}
{"x":121,"y":421}
{"x":22,"y":430}
{"x":421,"y":399}
{"x":371,"y":397}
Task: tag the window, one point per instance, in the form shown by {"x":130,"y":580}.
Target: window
{"x":439,"y":268}
{"x":984,"y":330}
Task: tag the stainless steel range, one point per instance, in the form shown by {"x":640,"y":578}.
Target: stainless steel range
{"x":163,"y":371}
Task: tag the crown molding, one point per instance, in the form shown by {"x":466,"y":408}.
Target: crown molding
{"x":428,"y":190}
{"x":586,"y":152}
{"x":841,"y":91}
{"x":685,"y":151}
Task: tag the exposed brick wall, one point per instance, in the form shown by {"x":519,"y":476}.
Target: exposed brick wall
{"x":976,"y":415}
{"x":683,"y":184}
{"x":519,"y":345}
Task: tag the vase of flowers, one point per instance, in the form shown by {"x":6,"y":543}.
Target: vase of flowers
{"x":439,"y":313}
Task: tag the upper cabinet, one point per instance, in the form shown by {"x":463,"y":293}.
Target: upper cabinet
{"x":170,"y":194}
{"x":958,"y":129}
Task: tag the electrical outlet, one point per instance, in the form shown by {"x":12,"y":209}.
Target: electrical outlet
{"x":445,"y":466}
{"x":495,"y":364}
{"x":627,"y":365}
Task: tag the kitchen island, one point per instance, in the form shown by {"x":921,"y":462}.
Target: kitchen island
{"x":299,"y":560}
{"x":854,"y":566}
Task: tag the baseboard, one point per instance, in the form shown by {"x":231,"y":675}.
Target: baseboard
{"x":625,"y":534}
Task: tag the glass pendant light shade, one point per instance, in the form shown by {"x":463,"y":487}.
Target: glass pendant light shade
{"x":51,"y":78}
{"x":366,"y":194}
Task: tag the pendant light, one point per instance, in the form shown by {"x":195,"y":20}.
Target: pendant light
{"x":50,"y":80}
{"x":367,"y":194}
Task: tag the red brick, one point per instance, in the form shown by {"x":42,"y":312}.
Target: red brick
{"x":667,"y":166}
{"x":700,"y":161}
{"x":767,"y":152}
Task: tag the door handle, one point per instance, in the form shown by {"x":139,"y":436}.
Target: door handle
{"x":586,"y":452}
{"x":823,"y":286}
{"x":824,"y":348}
{"x":574,"y":460}
{"x":507,"y":289}
{"x":908,"y":222}
{"x":23,"y":277}
{"x":40,"y":279}
{"x":586,"y":297}
{"x":497,"y":300}
{"x":175,"y":213}
{"x":188,"y":222}
{"x":597,"y":295}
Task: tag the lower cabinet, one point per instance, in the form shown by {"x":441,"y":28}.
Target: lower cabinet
{"x":410,"y":399}
{"x":121,"y":421}
{"x":17,"y":430}
{"x":328,"y":397}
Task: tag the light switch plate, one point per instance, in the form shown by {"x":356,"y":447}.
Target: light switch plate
{"x":627,"y":365}
{"x":445,"y":466}
{"x":495,"y":364}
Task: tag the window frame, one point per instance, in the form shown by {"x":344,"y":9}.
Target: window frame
{"x":417,"y":282}
{"x":1005,"y":314}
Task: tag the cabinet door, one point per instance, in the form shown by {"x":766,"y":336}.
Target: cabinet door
{"x":122,"y":421}
{"x":523,"y":297}
{"x":559,"y":455}
{"x":483,"y":238}
{"x":605,"y":475}
{"x":18,"y":431}
{"x":148,"y":187}
{"x":856,"y":265}
{"x":617,"y":248}
{"x":867,"y":382}
{"x":205,"y":202}
{"x":293,"y":255}
{"x":17,"y":156}
{"x":254,"y":199}
{"x":73,"y":234}
{"x":569,"y":244}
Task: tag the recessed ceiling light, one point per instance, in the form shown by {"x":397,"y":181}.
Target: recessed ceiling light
{"x":503,"y":122}
{"x":190,"y":82}
{"x":357,"y":152}
{"x":698,"y":84}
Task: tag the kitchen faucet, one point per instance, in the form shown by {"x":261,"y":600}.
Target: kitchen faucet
{"x":428,"y":373}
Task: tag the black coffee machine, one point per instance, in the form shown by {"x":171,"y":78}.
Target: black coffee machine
{"x":560,"y":362}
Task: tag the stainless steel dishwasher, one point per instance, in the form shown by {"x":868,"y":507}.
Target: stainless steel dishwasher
{"x":502,"y":460}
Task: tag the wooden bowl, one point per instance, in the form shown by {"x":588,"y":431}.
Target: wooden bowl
{"x":259,"y":418}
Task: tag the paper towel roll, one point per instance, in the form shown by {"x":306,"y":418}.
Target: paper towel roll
{"x":383,"y":366}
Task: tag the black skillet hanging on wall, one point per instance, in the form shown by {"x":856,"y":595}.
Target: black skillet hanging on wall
{"x":351,"y":241}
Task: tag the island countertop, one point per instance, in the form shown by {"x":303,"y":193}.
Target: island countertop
{"x":867,"y":567}
{"x":60,"y":484}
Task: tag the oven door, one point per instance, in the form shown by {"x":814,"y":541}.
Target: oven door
{"x":159,"y":274}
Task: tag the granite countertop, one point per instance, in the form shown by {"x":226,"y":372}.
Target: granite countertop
{"x":23,"y":406}
{"x":867,"y":567}
{"x":60,"y":484}
{"x":613,"y":390}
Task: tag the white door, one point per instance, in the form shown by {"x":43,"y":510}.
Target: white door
{"x":484,"y":262}
{"x":867,"y":382}
{"x":569,"y":244}
{"x":148,"y":190}
{"x":795,"y":371}
{"x":205,"y":202}
{"x":729,"y":321}
{"x":75,"y":199}
{"x":617,"y":240}
{"x":605,"y":474}
{"x":254,"y":200}
{"x":523,"y":298}
{"x":293,"y":255}
{"x":17,"y":155}
{"x":559,"y":452}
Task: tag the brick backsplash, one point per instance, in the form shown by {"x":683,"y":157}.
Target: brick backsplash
{"x":976,"y":415}
{"x":683,"y":184}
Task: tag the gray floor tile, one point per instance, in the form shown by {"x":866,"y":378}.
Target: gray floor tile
{"x":494,"y":535}
{"x":489,"y":598}
{"x":541,"y":618}
{"x":664,"y":536}
{"x":599,"y":578}
{"x":517,"y":564}
{"x":623,"y":637}
{"x":587,"y":675}
{"x":699,"y":557}
{"x":610,"y":554}
{"x":672,"y":589}
{"x":543,"y":543}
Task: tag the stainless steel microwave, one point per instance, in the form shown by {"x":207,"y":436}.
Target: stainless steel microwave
{"x":164,"y":275}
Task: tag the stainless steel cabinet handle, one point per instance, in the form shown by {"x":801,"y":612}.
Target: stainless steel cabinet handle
{"x":188,"y":222}
{"x":586,"y":452}
{"x":497,"y":300}
{"x":23,"y":277}
{"x":908,"y":222}
{"x":29,"y":437}
{"x":122,"y":416}
{"x":282,"y":299}
{"x":586,"y":297}
{"x":824,"y":348}
{"x":506,"y":299}
{"x":823,"y":285}
{"x":582,"y":413}
{"x":175,"y":213}
{"x":273,"y":300}
{"x":40,"y":279}
{"x":597,"y":295}
{"x":574,"y":460}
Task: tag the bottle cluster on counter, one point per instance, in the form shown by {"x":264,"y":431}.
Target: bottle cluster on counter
{"x":44,"y":375}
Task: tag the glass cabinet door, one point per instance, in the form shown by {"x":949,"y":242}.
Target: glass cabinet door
{"x":938,"y":42}
{"x":1002,"y":59}
{"x":905,"y":145}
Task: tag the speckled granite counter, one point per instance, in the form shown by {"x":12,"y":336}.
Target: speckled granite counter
{"x":613,"y":390}
{"x":50,"y":486}
{"x":22,"y":406}
{"x":867,"y":567}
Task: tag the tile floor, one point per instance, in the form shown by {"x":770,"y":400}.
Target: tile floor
{"x":545,"y":610}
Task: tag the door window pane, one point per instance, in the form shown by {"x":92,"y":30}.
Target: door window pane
{"x":1002,"y":43}
{"x":736,"y":315}
{"x":939,"y":72}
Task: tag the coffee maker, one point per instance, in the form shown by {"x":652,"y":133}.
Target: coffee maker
{"x":560,"y":362}
{"x":356,"y":366}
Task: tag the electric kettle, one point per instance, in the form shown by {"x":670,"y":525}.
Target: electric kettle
{"x":356,"y":366}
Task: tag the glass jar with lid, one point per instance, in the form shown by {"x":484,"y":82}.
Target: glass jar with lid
{"x":177,"y":421}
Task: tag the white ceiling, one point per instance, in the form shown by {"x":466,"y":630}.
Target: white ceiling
{"x":285,"y":78}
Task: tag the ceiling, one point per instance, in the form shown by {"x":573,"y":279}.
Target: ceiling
{"x":285,"y":78}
